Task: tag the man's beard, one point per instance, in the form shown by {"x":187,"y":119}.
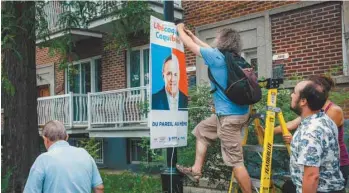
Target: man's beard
{"x":297,"y":109}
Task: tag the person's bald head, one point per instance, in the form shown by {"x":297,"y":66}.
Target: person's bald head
{"x":307,"y":94}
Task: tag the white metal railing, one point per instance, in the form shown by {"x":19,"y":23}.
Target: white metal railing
{"x":99,"y":158}
{"x":119,"y":106}
{"x":53,"y":10}
{"x":80,"y":111}
{"x":69,"y":109}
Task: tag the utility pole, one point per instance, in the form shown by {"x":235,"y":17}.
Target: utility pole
{"x":171,"y":179}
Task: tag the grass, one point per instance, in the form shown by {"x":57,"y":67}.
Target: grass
{"x":128,"y":182}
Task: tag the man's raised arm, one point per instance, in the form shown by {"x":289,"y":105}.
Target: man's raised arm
{"x":192,"y":46}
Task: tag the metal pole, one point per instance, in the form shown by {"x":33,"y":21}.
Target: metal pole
{"x":170,"y":177}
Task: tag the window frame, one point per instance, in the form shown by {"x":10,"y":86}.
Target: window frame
{"x":92,"y":61}
{"x":128,"y":69}
{"x":130,"y":151}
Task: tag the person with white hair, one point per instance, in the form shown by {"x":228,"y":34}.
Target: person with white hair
{"x":63,"y":168}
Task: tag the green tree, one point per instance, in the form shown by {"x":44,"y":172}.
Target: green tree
{"x":22,"y":24}
{"x":20,"y":145}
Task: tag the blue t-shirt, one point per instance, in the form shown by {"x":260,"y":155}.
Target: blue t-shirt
{"x":63,"y":168}
{"x":215,"y":61}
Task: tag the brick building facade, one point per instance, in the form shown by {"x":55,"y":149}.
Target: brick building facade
{"x":311,"y":33}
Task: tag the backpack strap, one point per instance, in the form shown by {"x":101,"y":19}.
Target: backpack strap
{"x":213,"y":80}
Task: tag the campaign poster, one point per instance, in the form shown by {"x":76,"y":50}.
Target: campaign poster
{"x":168,"y":118}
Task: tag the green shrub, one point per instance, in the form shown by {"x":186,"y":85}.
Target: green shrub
{"x":128,"y":182}
{"x":214,"y":169}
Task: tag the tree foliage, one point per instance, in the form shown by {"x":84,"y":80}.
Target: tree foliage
{"x":130,"y":18}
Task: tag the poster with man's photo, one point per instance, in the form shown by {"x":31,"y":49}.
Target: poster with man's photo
{"x":169,"y":87}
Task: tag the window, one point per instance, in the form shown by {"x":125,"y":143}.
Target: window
{"x":138,"y":66}
{"x":137,"y":153}
{"x":251,"y":57}
{"x":84,"y":76}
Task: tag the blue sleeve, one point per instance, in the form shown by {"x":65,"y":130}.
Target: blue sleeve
{"x":210,"y":56}
{"x":35,"y":181}
{"x":96,"y":177}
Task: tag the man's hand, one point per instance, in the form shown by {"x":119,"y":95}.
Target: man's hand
{"x":187,"y":40}
{"x":99,"y":189}
{"x":287,"y":138}
{"x":190,"y":34}
{"x":180,"y":26}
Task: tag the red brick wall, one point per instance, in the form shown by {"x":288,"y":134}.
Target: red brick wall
{"x":113,"y":68}
{"x":83,"y":49}
{"x":114,"y":72}
{"x":42,"y":58}
{"x":198,"y":13}
{"x":312,"y":37}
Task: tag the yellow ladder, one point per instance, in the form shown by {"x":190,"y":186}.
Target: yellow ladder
{"x":266,"y":137}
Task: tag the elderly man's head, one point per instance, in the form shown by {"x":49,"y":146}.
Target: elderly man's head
{"x":53,"y":131}
{"x":307,"y":97}
{"x":171,"y":73}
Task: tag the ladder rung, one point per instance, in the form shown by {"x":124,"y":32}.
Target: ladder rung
{"x":253,"y":148}
{"x":259,"y":148}
{"x":256,"y":183}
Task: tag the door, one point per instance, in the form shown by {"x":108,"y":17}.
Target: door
{"x":43,"y":91}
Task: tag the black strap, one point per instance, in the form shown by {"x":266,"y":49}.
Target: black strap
{"x":225,"y":53}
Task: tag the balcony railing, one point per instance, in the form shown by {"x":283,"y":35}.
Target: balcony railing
{"x":70,"y":109}
{"x":54,"y":9}
{"x":118,"y":107}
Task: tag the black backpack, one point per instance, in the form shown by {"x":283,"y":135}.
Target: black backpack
{"x":242,"y":84}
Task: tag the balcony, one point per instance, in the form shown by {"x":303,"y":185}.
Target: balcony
{"x":117,"y":113}
{"x":70,"y":109}
{"x":97,"y":22}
